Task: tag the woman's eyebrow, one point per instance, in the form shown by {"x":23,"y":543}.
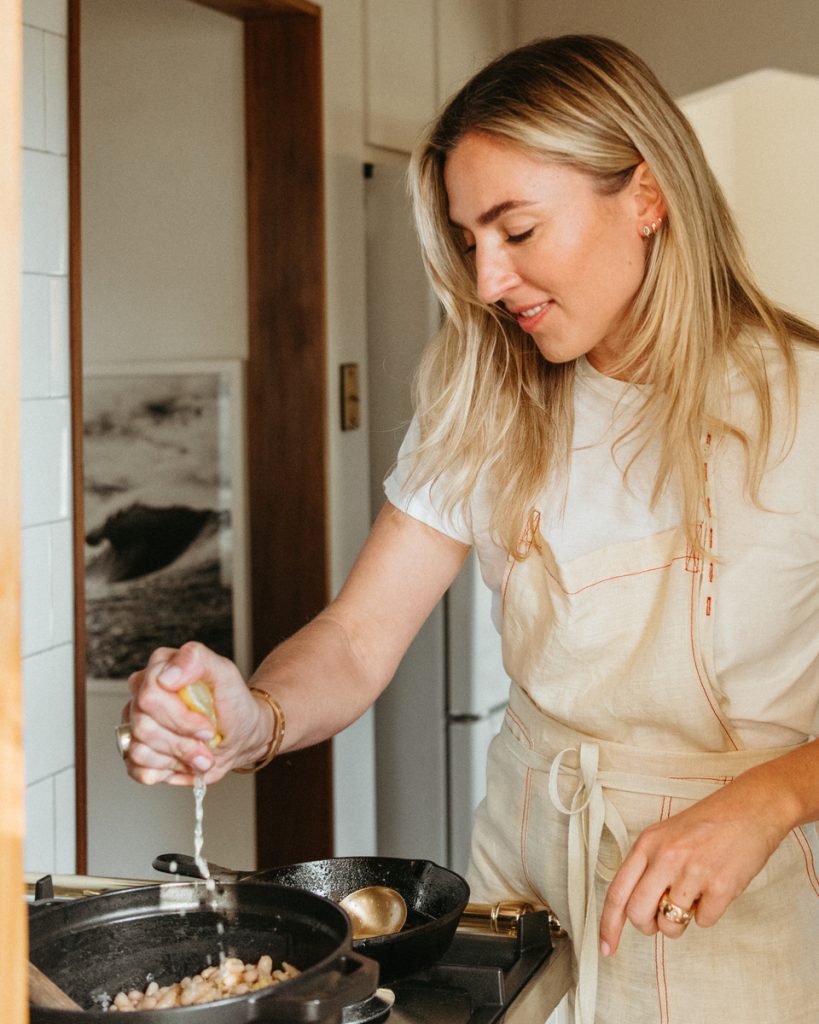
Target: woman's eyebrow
{"x":498,"y":210}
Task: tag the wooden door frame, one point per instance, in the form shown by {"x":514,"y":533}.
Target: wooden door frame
{"x":286,"y":389}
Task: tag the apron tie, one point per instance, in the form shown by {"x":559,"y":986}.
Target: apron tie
{"x":589,"y":813}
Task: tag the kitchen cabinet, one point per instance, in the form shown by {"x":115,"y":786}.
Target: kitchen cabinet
{"x":417,"y":54}
{"x":401,"y":80}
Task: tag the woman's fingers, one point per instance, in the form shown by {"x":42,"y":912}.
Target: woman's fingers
{"x":171,"y":742}
{"x":675,"y":911}
{"x":615,"y":908}
{"x":153,"y":746}
{"x":701,"y":859}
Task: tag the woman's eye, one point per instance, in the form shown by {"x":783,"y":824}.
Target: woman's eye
{"x":516,"y":239}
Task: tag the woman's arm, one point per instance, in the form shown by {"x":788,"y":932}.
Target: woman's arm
{"x":708,"y":854}
{"x":324,"y":676}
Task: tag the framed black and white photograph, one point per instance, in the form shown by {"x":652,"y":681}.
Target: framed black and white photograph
{"x":165,"y":512}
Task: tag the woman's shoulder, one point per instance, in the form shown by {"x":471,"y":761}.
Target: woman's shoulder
{"x":804,"y":355}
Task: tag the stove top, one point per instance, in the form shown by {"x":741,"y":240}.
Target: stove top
{"x":476,"y":981}
{"x":483,"y":978}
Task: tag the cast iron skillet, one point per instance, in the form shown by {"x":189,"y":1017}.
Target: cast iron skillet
{"x":435,"y":898}
{"x":109,"y":942}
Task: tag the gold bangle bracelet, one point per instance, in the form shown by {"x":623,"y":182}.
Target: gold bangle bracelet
{"x":275,"y":739}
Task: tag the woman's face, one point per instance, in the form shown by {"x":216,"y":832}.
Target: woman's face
{"x":564,"y":260}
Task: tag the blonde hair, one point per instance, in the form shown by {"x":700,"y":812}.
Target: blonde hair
{"x":486,"y":399}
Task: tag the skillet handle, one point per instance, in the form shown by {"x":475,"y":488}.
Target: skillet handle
{"x":183,"y":864}
{"x":350,"y":978}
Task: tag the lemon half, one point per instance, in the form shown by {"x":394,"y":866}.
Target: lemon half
{"x":198,"y":697}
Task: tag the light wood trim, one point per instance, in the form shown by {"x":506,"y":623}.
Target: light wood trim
{"x":13,"y":924}
{"x":77,"y":461}
{"x":251,"y":9}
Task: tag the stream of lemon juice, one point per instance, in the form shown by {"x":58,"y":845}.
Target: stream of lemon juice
{"x":198,"y":697}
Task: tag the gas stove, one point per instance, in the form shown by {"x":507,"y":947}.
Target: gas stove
{"x":515,"y":971}
{"x":483,"y":978}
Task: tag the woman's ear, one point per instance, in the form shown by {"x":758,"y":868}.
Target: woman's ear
{"x":649,"y":205}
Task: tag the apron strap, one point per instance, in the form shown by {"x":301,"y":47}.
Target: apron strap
{"x":589,"y":812}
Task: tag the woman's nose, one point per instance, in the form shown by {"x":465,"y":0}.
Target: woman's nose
{"x":494,"y":275}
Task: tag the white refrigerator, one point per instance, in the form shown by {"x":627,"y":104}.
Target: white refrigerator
{"x":435,"y":722}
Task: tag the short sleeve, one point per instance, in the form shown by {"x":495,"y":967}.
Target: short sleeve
{"x":422,"y":503}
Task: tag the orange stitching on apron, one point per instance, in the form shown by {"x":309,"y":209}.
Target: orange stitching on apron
{"x":521,"y":726}
{"x":524,"y":818}
{"x":525,"y":542}
{"x":807,"y":853}
{"x":699,"y":676}
{"x":659,"y":942}
{"x":708,"y":605}
{"x":505,"y":586}
{"x":659,"y":970}
{"x":524,"y":825}
{"x":610,"y":579}
{"x":723,"y":780}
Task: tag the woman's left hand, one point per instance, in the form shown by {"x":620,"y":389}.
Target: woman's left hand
{"x":703,"y":857}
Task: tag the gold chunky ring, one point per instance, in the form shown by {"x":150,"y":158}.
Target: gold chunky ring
{"x":123,"y":733}
{"x":674,"y":913}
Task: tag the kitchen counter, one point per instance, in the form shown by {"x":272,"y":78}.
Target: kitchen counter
{"x":541,"y":996}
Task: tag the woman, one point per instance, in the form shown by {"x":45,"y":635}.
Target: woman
{"x":624,"y":427}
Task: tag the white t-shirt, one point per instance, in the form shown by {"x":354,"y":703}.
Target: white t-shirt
{"x":766,"y":631}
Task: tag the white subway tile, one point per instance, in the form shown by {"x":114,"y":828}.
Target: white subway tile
{"x":36,"y":572}
{"x":48,"y":712}
{"x":52,"y":15}
{"x":56,"y":94}
{"x":34,"y":89}
{"x":62,"y":583}
{"x":38,"y":848}
{"x":36,"y":355}
{"x":58,"y":336}
{"x":65,"y":822}
{"x":46,"y":460}
{"x":45,"y":213}
{"x":45,"y":365}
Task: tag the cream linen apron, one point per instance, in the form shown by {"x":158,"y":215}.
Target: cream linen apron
{"x":615,"y":723}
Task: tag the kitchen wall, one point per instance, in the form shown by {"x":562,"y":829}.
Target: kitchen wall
{"x":164,"y":279}
{"x":689,"y":45}
{"x":467,"y":32}
{"x":47,"y":613}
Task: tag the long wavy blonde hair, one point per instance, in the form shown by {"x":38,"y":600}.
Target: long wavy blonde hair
{"x":487,"y":400}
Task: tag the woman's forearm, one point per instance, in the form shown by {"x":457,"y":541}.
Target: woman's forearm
{"x":321,"y":680}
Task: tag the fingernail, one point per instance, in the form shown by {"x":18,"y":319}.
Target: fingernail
{"x":205,"y":735}
{"x":170,"y":675}
{"x":201,"y":763}
{"x":605,"y":949}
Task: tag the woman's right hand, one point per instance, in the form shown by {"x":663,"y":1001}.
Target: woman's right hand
{"x":169,"y":742}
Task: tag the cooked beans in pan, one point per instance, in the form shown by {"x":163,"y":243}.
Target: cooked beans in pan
{"x":231,"y":978}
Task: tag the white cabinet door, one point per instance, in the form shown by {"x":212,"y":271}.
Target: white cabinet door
{"x":401,"y":80}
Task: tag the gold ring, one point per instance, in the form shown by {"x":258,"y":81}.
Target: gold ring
{"x":674,"y":913}
{"x":123,"y":733}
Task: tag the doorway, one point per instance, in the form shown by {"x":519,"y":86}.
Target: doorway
{"x":285,"y":390}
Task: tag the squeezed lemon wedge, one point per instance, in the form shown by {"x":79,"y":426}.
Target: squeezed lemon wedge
{"x":198,"y":697}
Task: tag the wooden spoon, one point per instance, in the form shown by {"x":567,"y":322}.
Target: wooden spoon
{"x":43,"y":992}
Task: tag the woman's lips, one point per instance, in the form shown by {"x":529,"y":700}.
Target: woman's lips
{"x":530,"y":316}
